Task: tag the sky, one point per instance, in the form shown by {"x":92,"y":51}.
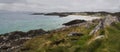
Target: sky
{"x":60,"y":5}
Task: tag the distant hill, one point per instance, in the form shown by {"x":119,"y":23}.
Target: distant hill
{"x":62,"y":14}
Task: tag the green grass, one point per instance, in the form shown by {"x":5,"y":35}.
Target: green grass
{"x":112,"y":43}
{"x":47,"y":43}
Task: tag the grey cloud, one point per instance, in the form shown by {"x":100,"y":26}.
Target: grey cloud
{"x":60,"y":5}
{"x":11,"y":1}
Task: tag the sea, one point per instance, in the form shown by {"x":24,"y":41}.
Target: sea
{"x":13,"y":21}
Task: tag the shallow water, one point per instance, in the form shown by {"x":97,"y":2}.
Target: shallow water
{"x":24,"y":22}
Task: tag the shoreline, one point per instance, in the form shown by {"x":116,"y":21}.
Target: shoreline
{"x":65,"y":20}
{"x":84,"y":14}
{"x":15,"y":40}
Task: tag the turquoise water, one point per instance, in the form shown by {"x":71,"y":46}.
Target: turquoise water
{"x":24,"y":22}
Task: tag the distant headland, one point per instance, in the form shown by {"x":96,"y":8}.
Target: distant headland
{"x":64,"y":14}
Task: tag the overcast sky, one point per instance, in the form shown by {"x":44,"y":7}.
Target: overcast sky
{"x":60,"y":5}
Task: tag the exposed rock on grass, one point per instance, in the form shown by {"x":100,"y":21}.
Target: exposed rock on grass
{"x":75,"y":34}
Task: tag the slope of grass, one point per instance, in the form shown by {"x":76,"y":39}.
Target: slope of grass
{"x":112,"y":43}
{"x":60,"y":42}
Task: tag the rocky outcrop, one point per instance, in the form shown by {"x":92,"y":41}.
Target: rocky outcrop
{"x":73,"y":22}
{"x":35,"y":32}
{"x":103,"y":23}
{"x":97,"y":28}
{"x":107,"y":21}
{"x":13,"y":40}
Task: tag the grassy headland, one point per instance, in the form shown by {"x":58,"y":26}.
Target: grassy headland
{"x":59,"y":41}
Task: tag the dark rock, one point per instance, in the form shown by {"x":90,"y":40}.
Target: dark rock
{"x":63,"y":15}
{"x":1,"y":39}
{"x":16,"y":34}
{"x":37,"y":14}
{"x":77,"y":21}
{"x":58,"y":42}
{"x":36,"y":32}
{"x":75,"y":34}
{"x":5,"y":47}
{"x":58,"y":14}
{"x":18,"y":42}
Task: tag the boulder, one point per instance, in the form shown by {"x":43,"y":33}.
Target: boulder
{"x":75,"y":34}
{"x":36,"y":32}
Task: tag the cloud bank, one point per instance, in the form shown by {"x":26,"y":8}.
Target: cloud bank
{"x":60,"y":5}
